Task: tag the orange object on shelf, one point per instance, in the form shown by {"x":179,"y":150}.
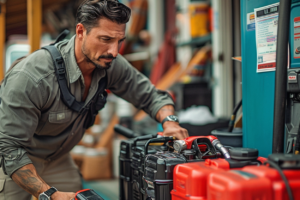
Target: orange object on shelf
{"x":199,"y":19}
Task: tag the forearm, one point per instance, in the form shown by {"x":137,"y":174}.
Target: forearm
{"x":164,"y":112}
{"x":170,"y":128}
{"x":28,"y":179}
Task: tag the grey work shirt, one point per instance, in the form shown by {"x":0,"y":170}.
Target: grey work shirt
{"x":33,"y":118}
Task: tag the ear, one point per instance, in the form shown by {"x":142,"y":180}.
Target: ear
{"x":80,"y":31}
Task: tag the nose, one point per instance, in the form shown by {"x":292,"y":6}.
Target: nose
{"x":114,"y":49}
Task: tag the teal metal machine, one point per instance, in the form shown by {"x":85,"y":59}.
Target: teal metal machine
{"x":258,"y":88}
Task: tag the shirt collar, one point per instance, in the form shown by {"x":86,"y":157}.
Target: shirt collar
{"x":68,"y":52}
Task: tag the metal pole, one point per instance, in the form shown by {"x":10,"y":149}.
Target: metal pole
{"x":281,"y":75}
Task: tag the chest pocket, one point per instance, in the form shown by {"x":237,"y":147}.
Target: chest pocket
{"x":59,"y":117}
{"x":54,"y":122}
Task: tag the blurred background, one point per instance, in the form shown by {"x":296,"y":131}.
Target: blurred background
{"x":183,"y":46}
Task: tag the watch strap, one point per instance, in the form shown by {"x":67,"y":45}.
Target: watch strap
{"x":170,"y":118}
{"x":50,"y":191}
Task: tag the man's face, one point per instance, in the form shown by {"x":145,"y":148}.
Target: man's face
{"x":101,"y":45}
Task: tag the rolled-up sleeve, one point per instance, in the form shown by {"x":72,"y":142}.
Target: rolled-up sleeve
{"x":21,"y":100}
{"x":128,"y":83}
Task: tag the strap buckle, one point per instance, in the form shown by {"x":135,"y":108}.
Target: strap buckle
{"x":60,"y":69}
{"x":59,"y":60}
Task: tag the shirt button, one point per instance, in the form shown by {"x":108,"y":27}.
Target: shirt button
{"x":72,"y":134}
{"x":60,"y":148}
{"x":48,"y":159}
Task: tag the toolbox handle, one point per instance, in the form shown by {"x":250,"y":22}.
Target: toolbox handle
{"x":130,"y":134}
{"x":144,"y":137}
{"x":124,"y":131}
{"x":158,"y":140}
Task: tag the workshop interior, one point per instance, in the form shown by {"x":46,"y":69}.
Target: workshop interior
{"x":230,"y":66}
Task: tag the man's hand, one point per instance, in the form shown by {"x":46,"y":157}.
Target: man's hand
{"x":173,"y":129}
{"x":63,"y":196}
{"x":28,"y":179}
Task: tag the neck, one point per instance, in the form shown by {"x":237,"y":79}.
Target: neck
{"x":85,"y":67}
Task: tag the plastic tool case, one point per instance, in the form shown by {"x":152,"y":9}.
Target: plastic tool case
{"x":131,"y":162}
{"x":159,"y":167}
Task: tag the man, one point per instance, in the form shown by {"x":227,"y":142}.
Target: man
{"x":37,"y":130}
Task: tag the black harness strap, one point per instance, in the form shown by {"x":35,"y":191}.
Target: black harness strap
{"x":60,"y":72}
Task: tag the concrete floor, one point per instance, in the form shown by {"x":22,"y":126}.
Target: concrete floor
{"x":107,"y":189}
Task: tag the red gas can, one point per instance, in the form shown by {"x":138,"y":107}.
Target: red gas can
{"x":257,"y":182}
{"x":190,"y":179}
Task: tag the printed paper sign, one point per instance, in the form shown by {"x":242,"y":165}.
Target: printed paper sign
{"x":266,"y":22}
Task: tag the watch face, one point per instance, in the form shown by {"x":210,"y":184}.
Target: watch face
{"x":172,"y":117}
{"x":43,"y":197}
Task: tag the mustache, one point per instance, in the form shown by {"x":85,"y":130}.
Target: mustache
{"x":109,"y":56}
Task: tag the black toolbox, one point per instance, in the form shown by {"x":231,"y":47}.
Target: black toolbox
{"x":127,"y":148}
{"x":159,"y":174}
{"x":131,"y":162}
{"x":159,"y":167}
{"x":137,"y":169}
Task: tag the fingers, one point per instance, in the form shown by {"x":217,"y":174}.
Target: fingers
{"x":178,"y":132}
{"x":182,"y":134}
{"x":71,"y":195}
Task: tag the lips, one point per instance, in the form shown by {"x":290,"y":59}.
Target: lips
{"x":107,"y":59}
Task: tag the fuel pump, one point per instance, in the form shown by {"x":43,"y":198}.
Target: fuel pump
{"x":293,"y":82}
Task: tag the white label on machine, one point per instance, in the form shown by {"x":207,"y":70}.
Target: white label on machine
{"x":292,"y":78}
{"x":266,"y":22}
{"x":250,"y":21}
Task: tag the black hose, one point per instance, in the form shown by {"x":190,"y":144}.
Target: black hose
{"x":233,"y":116}
{"x":287,"y":185}
{"x":281,"y":75}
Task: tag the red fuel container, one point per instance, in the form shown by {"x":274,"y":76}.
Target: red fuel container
{"x":190,"y":179}
{"x":255,"y":183}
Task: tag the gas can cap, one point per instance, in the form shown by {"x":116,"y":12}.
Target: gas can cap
{"x":285,"y":161}
{"x":243,"y":153}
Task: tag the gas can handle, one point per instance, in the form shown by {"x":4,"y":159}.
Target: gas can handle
{"x":196,"y":148}
{"x":158,"y":140}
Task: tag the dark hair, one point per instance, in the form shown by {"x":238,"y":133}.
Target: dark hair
{"x":90,"y":11}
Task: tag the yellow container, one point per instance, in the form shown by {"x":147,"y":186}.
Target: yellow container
{"x":199,"y":20}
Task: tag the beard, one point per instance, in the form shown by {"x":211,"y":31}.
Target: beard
{"x":98,"y":66}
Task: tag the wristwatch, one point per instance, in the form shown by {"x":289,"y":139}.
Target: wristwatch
{"x":47,"y":194}
{"x":171,"y":118}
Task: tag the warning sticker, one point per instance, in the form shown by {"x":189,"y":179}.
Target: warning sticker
{"x":250,"y":21}
{"x":266,"y":19}
{"x":297,"y":37}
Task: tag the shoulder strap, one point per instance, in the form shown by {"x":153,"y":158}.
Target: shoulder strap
{"x":60,"y":72}
{"x":61,"y":36}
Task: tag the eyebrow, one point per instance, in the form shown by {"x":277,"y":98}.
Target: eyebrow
{"x":111,"y":37}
